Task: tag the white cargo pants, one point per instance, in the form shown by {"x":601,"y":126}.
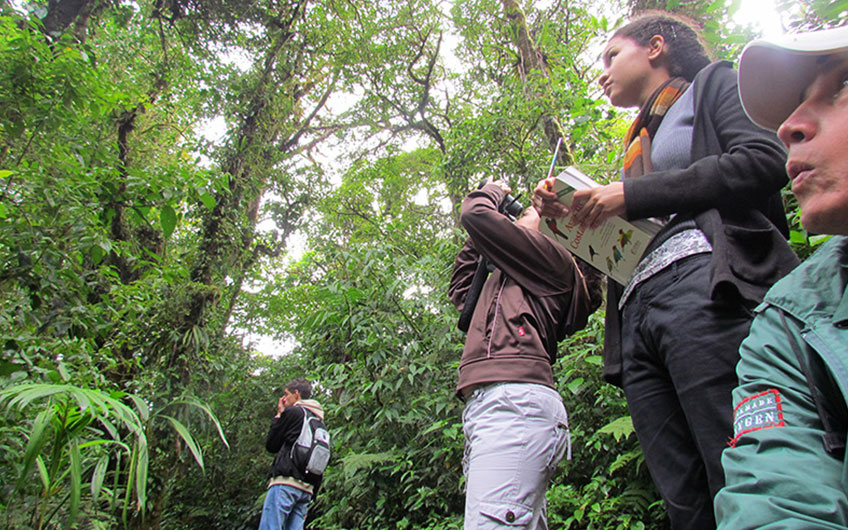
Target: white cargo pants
{"x":515,"y":435}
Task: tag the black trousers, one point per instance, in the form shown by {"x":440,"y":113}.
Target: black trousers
{"x":679,"y":355}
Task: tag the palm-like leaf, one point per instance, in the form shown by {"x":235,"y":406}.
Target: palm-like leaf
{"x":187,"y":437}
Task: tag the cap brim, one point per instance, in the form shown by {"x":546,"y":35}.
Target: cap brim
{"x":774,"y":73}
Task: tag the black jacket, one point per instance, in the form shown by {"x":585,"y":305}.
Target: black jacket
{"x":731,"y":191}
{"x":282,"y":436}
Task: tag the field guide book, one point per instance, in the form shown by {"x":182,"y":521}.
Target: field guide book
{"x":614,"y":248}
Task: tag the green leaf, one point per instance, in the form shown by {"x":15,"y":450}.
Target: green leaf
{"x":110,"y":427}
{"x":63,"y":372}
{"x":596,"y":360}
{"x":622,"y":460}
{"x":189,"y":440}
{"x":141,"y":489}
{"x":97,"y":254}
{"x":208,"y":200}
{"x":575,"y":385}
{"x":205,"y":408}
{"x":141,"y":406}
{"x":818,"y":239}
{"x":141,"y":468}
{"x":76,"y":481}
{"x":83,"y":400}
{"x":796,"y":236}
{"x":7,"y":368}
{"x":620,"y":428}
{"x":168,"y":220}
{"x":43,"y":473}
{"x":355,"y":461}
{"x":436,"y":426}
{"x":95,"y":443}
{"x":834,"y":9}
{"x":37,"y":439}
{"x":97,"y":477}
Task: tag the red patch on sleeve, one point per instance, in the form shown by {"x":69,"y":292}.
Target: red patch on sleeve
{"x":521,"y":331}
{"x":757,"y":412}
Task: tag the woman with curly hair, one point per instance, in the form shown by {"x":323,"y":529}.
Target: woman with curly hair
{"x":695,"y":162}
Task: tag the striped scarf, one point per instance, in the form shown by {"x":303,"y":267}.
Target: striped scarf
{"x":637,"y":157}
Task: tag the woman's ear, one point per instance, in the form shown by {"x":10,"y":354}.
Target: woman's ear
{"x":656,"y":46}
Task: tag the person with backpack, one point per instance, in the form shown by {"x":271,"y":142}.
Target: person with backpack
{"x":300,"y":440}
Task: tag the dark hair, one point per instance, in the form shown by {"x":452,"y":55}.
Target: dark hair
{"x":686,"y":55}
{"x":301,"y":385}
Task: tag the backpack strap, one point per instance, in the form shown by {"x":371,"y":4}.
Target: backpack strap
{"x":304,"y":424}
{"x":832,"y":439}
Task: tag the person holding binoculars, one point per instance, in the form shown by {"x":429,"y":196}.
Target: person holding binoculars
{"x":515,"y":424}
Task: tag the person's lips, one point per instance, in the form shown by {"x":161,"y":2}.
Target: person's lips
{"x":607,"y":87}
{"x":798,"y":172}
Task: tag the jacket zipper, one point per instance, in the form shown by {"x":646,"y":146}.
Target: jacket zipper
{"x":495,"y":321}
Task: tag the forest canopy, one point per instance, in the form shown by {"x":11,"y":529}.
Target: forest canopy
{"x":141,"y":256}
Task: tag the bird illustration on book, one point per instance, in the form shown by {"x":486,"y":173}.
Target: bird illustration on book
{"x":553,"y":226}
{"x":616,"y":254}
{"x":592,"y":253}
{"x":609,"y":264}
{"x":624,"y":237}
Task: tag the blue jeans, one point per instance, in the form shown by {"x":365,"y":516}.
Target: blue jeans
{"x":284,"y":508}
{"x":515,"y":434}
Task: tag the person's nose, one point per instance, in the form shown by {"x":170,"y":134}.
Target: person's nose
{"x":603,"y":79}
{"x":800,"y":126}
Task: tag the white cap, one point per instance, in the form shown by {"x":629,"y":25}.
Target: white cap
{"x":773,"y":73}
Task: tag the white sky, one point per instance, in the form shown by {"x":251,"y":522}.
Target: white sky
{"x":762,"y":14}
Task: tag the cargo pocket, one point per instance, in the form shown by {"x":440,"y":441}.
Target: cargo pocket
{"x":504,"y":514}
{"x":561,"y":447}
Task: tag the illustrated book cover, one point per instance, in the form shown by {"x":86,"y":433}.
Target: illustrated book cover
{"x":614,"y":248}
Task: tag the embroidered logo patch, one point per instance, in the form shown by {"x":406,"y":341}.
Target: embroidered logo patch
{"x":761,"y":411}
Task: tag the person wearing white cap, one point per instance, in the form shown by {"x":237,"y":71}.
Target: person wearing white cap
{"x":786,"y":467}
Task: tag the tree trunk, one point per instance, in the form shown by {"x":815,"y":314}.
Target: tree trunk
{"x":62,"y":13}
{"x":534,"y":73}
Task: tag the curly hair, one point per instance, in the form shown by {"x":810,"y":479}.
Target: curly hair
{"x":686,"y":52}
{"x":301,"y":385}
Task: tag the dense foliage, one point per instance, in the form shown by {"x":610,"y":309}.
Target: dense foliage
{"x":178,"y":179}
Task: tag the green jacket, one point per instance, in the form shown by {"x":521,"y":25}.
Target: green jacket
{"x":779,"y":474}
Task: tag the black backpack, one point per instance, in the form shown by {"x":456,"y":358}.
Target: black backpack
{"x":310,"y":453}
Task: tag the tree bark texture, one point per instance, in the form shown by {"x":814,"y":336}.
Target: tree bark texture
{"x":534,"y":74}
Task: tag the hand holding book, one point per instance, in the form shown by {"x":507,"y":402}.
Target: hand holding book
{"x":547,"y":202}
{"x":602,"y":238}
{"x":592,"y":207}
